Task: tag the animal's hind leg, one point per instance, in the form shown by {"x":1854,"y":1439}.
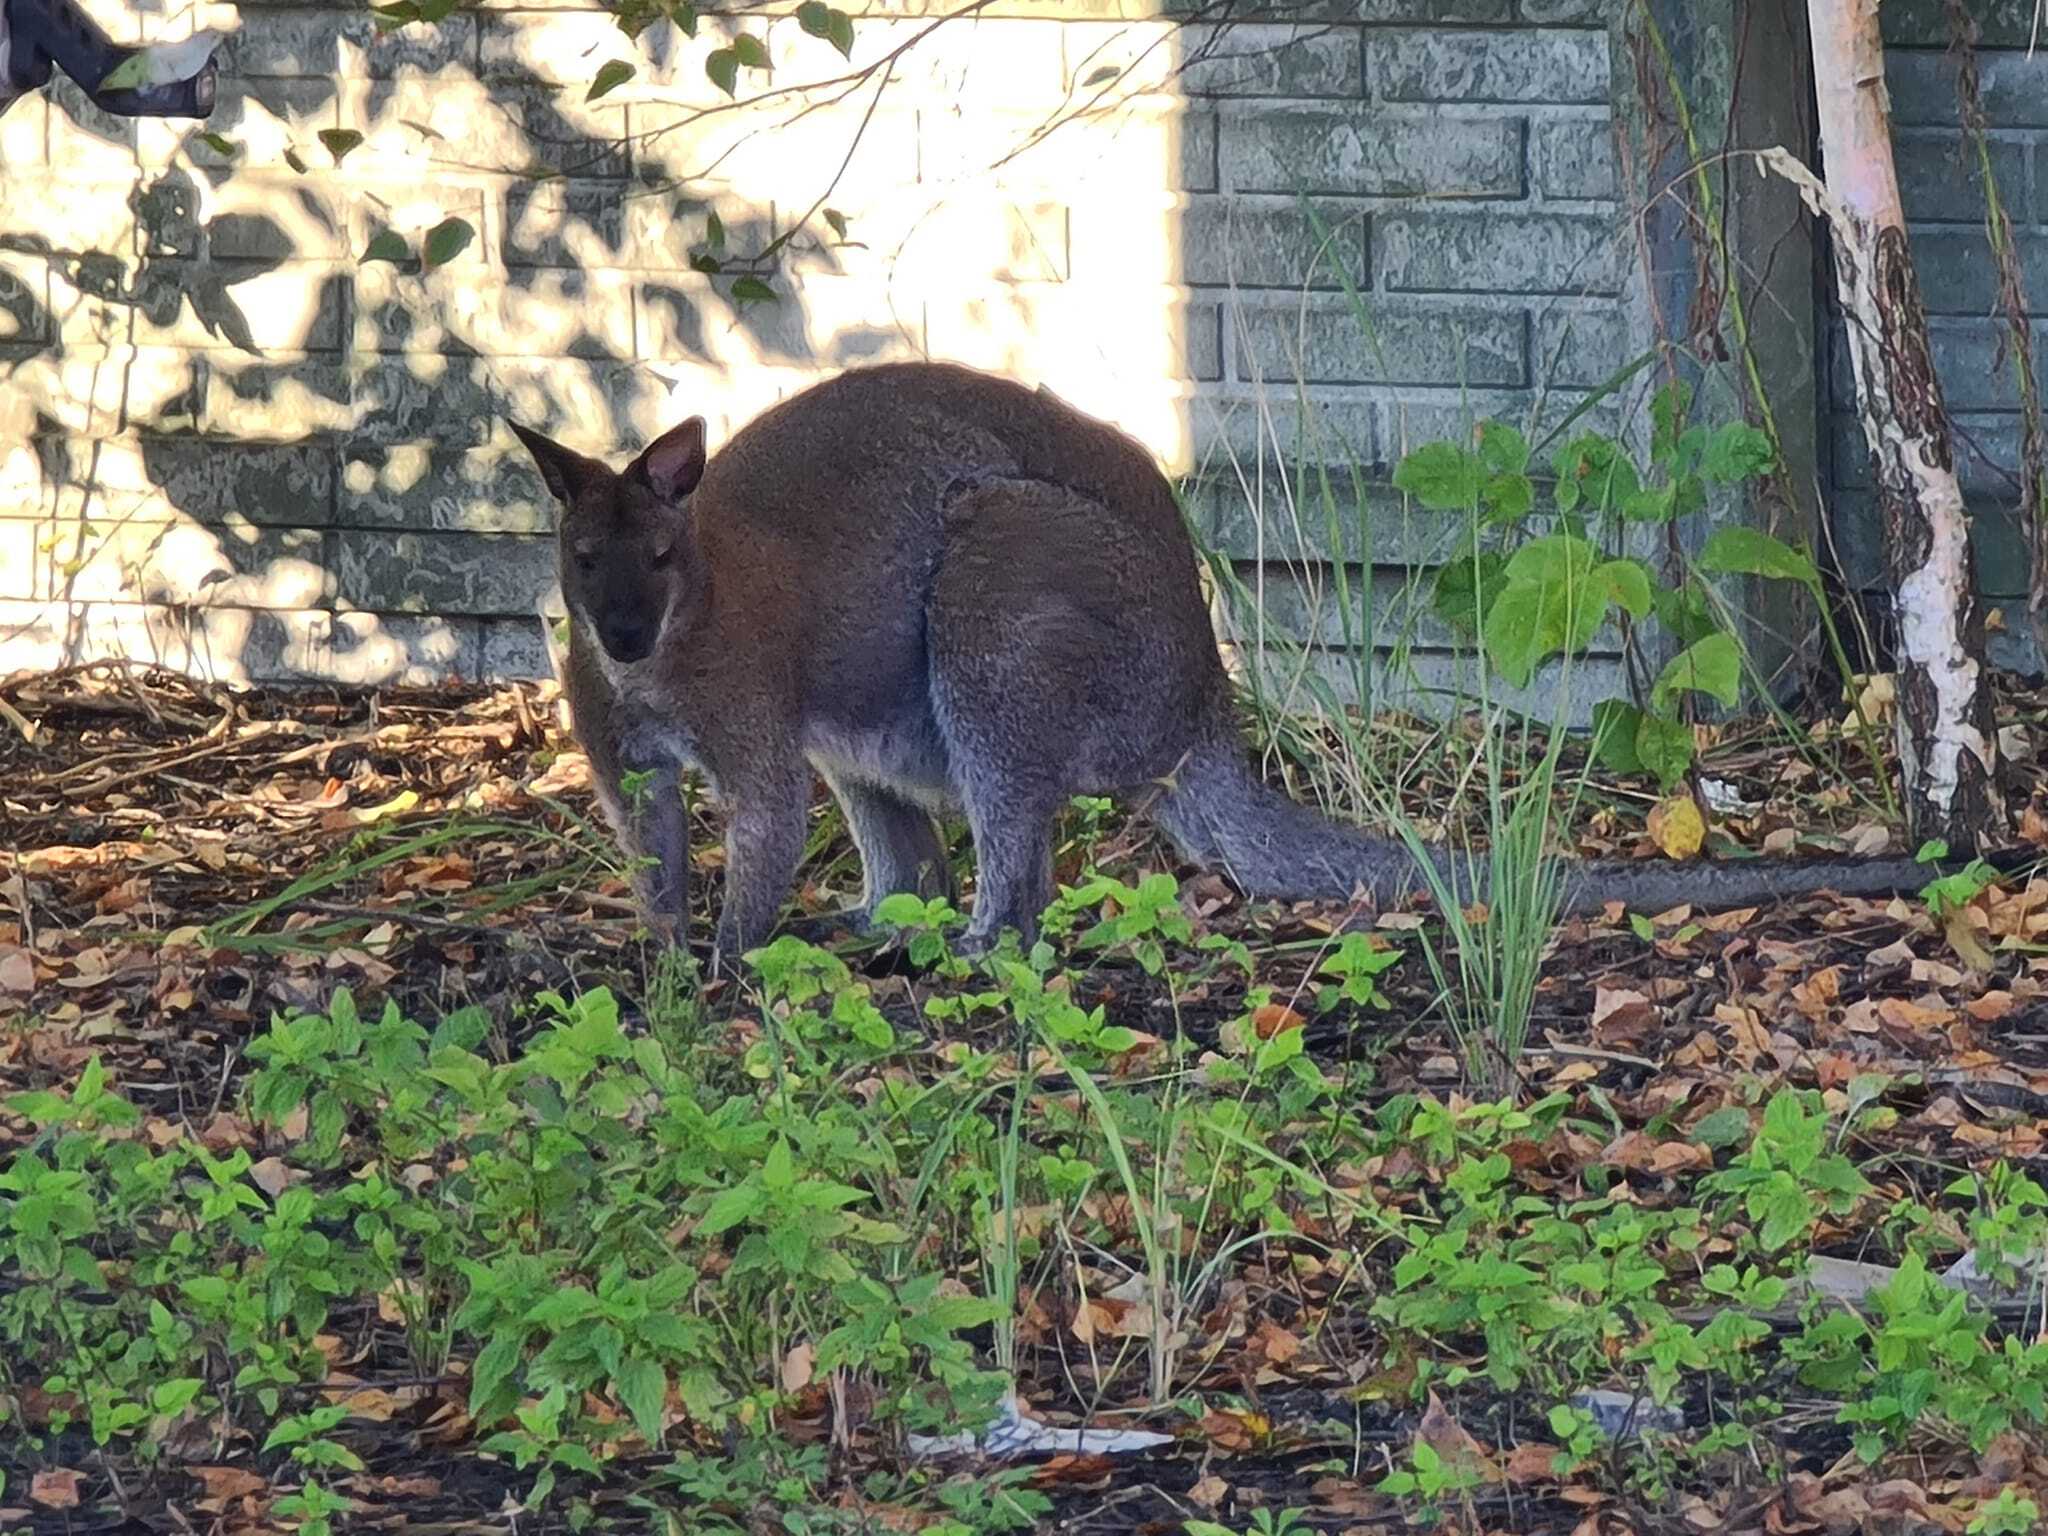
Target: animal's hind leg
{"x":900,"y":847}
{"x":1064,"y":659}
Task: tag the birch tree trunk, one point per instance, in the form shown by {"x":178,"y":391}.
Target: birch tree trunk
{"x":1947,"y":748}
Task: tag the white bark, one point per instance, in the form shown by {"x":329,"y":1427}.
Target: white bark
{"x":1947,"y":751}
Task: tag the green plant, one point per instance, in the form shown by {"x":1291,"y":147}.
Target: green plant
{"x":2009,"y":1513}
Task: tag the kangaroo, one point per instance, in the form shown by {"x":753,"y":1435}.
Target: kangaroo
{"x":942,"y":591}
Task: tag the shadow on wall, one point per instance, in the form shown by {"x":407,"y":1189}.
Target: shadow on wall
{"x":235,"y":446}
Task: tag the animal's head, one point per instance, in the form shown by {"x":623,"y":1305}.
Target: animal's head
{"x":624,"y":534}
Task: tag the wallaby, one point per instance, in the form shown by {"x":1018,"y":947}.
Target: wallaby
{"x":941,"y":591}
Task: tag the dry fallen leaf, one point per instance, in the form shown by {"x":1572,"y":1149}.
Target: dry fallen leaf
{"x":796,"y":1367}
{"x":1454,"y":1444}
{"x":1675,"y":827}
{"x":55,"y":1488}
{"x":228,"y":1482}
{"x":17,"y":971}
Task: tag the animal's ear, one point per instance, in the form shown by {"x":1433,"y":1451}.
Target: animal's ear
{"x":566,"y":473}
{"x":674,"y":462}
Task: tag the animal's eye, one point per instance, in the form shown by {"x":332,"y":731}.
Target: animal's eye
{"x":586,"y":563}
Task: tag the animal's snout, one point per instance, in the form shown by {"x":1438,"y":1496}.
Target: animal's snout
{"x":627,"y":639}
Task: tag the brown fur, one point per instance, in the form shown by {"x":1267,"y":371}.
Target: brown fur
{"x":940,"y":590}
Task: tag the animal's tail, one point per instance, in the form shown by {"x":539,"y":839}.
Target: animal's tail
{"x":1219,"y":812}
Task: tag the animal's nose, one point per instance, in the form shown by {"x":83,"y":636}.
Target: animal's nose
{"x":628,"y":639}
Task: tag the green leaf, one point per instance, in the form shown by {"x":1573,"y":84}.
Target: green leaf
{"x":1665,"y":748}
{"x":1102,"y":74}
{"x":296,"y":161}
{"x":750,"y":51}
{"x":1508,"y":498}
{"x":1615,"y":722}
{"x":446,"y":241}
{"x":1465,"y":588}
{"x":751,"y":290}
{"x":956,"y":1312}
{"x":1651,"y":504}
{"x":1442,"y":476}
{"x":821,"y":20}
{"x":128,"y":74}
{"x":169,"y":1397}
{"x":837,"y":220}
{"x":492,"y":1369}
{"x":614,"y":73}
{"x":1521,"y":629}
{"x":1667,"y":414}
{"x":732,"y":1207}
{"x":339,"y":141}
{"x":1752,"y":552}
{"x":714,"y":234}
{"x":1561,"y":559}
{"x":387,"y":245}
{"x":722,"y":66}
{"x":225,"y":147}
{"x":1736,"y":452}
{"x":1711,"y":666}
{"x":642,"y":1386}
{"x":1685,"y":612}
{"x":1502,"y":449}
{"x":1626,"y":582}
{"x":1594,"y":471}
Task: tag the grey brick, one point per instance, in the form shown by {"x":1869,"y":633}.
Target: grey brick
{"x":1573,"y":157}
{"x":1958,"y":276}
{"x":514,"y":648}
{"x":1580,"y":347}
{"x":1987,"y":447}
{"x":1435,"y":10}
{"x":442,"y":573}
{"x":1499,"y":252}
{"x":550,"y":128}
{"x":1556,"y":12}
{"x":388,"y":648}
{"x":314,"y":223}
{"x":1247,"y":60}
{"x":1940,"y":177}
{"x":1265,"y":244}
{"x":1407,"y":423}
{"x":1288,"y":518}
{"x":1517,"y":66}
{"x":663,"y":229}
{"x":553,"y":224}
{"x":1197,"y":168}
{"x":427,"y":487}
{"x":295,"y":41}
{"x":213,"y":478}
{"x":1923,"y":88}
{"x":1973,"y":359}
{"x":1406,"y":343}
{"x":1245,"y":431}
{"x":689,"y":315}
{"x":1380,"y":154}
{"x":278,"y":396}
{"x":1203,"y":326}
{"x":1924,"y":23}
{"x":206,"y":304}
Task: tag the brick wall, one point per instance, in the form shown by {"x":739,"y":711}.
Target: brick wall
{"x":1941,"y":179}
{"x":229,"y":443}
